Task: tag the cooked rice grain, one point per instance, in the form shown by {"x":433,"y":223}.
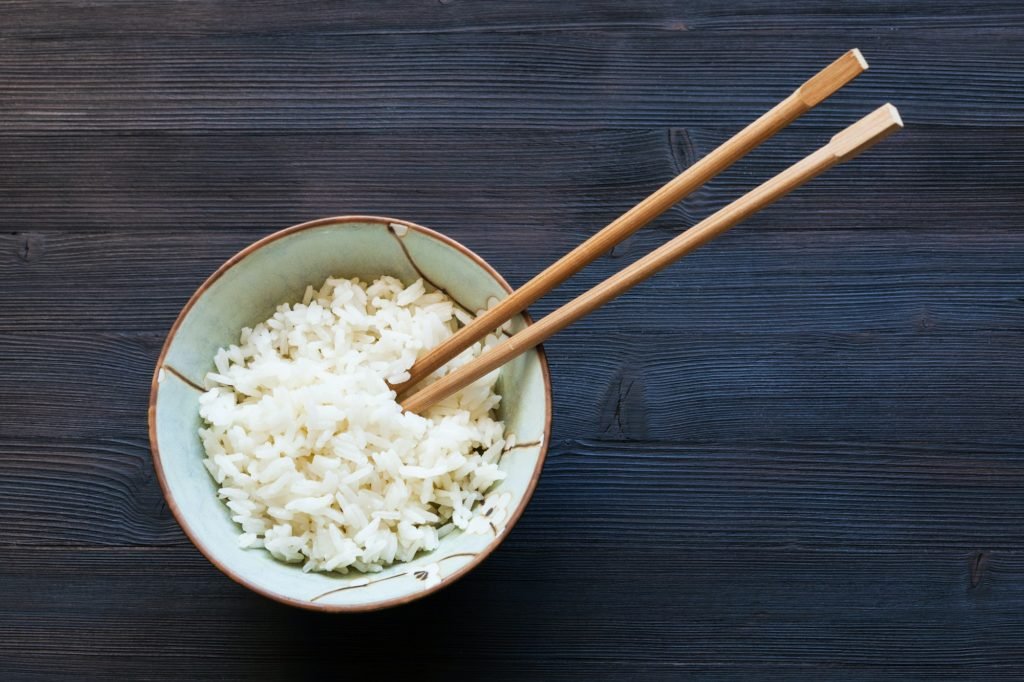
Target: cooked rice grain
{"x":314,"y":458}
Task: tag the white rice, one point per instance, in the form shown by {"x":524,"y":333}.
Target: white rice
{"x":315,"y":459}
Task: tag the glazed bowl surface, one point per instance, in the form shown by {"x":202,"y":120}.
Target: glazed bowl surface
{"x":246,"y":290}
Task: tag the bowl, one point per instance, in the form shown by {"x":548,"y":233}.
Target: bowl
{"x":246,"y":290}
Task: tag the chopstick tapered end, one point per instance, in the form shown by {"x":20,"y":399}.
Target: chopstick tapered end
{"x":832,"y":77}
{"x":873,"y":128}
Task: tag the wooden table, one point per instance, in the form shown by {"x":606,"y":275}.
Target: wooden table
{"x":798,"y":454}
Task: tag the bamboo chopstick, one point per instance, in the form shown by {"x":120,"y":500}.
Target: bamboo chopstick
{"x":844,"y":145}
{"x":814,"y":91}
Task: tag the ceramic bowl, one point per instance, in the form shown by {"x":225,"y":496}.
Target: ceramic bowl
{"x":246,"y":290}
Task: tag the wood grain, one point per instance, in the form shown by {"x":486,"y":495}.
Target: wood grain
{"x":76,"y":18}
{"x":106,"y":488}
{"x":762,"y":278}
{"x":790,"y":613}
{"x":610,"y":497}
{"x":295,"y":81}
{"x":261,"y":183}
{"x":817,"y":466}
{"x":740,"y":388}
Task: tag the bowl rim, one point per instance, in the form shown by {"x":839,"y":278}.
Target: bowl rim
{"x":155,"y":448}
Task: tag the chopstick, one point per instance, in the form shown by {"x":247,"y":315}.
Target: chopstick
{"x":843,"y":146}
{"x":803,"y":99}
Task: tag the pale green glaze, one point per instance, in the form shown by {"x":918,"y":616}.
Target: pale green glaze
{"x":247,"y":292}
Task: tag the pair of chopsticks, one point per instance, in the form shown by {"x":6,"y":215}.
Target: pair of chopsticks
{"x":843,"y":146}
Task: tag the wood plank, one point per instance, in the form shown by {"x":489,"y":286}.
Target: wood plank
{"x":511,"y":182}
{"x":623,"y":498}
{"x":746,"y":388}
{"x":191,"y":182}
{"x":758,"y":279}
{"x":694,"y":388}
{"x":722,"y":613}
{"x":298,"y":81}
{"x":75,"y":18}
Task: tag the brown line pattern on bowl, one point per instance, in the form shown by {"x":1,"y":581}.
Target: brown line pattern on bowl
{"x":423,"y":276}
{"x":356,"y":587}
{"x":390,"y":577}
{"x":531,"y":444}
{"x":184,"y":378}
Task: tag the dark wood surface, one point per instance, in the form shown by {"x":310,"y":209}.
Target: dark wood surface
{"x":798,"y":454}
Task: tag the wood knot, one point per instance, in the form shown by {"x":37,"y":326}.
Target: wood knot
{"x":924,"y":322}
{"x":619,"y":250}
{"x":29,"y":246}
{"x":624,"y":413}
{"x":977,"y":568}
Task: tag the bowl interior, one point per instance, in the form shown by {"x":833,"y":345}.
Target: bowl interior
{"x":246,"y":291}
